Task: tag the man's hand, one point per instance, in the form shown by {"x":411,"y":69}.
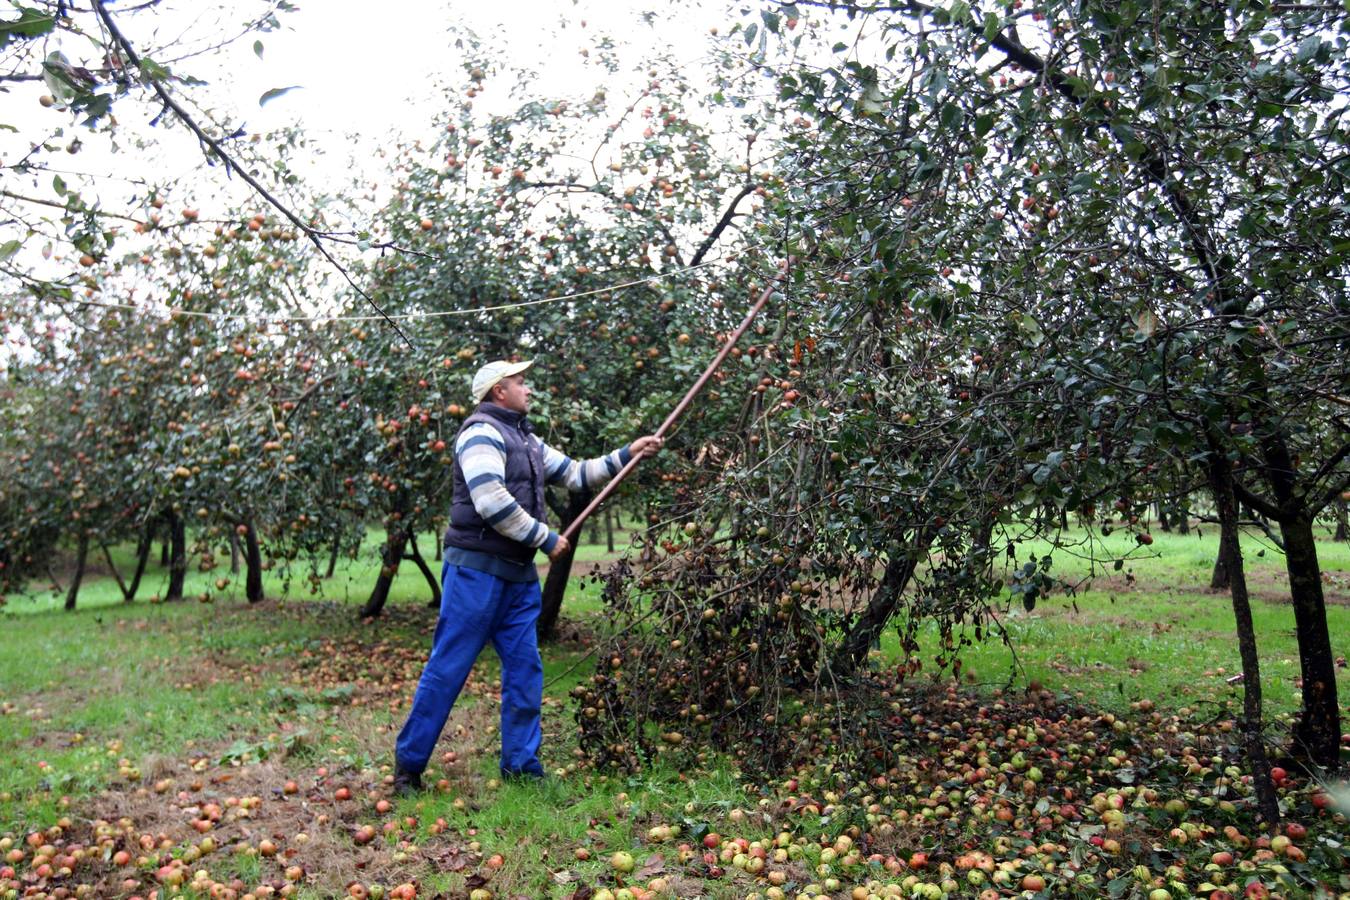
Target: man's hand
{"x":559,"y":549}
{"x":646,"y":446}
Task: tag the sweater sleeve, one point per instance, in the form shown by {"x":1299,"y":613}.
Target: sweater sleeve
{"x":584,"y":475}
{"x":482,"y":457}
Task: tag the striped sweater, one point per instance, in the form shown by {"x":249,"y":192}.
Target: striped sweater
{"x":481,"y":453}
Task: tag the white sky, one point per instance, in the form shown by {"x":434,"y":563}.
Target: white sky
{"x":379,"y":70}
{"x":366,"y":70}
{"x":368,"y":73}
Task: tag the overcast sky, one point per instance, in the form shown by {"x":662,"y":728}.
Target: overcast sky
{"x":363,"y":69}
{"x":379,"y":71}
{"x":365,"y":74}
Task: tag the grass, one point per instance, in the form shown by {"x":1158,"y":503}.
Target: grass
{"x":115,"y":699}
{"x":1154,"y":630}
{"x":114,"y":682}
{"x":353,"y":577}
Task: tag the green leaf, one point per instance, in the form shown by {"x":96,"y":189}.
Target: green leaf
{"x":991,"y":23}
{"x":1308,"y":47}
{"x":872,"y":100}
{"x":1145,"y":322}
{"x":750,"y":32}
{"x":258,"y":49}
{"x":94,"y":106}
{"x":59,"y":185}
{"x":1032,"y":329}
{"x":54,"y":73}
{"x":1083,"y":182}
{"x":1079,"y":87}
{"x":9,"y":248}
{"x":153,"y":70}
{"x":937,"y":83}
{"x":31,"y":23}
{"x":274,"y":93}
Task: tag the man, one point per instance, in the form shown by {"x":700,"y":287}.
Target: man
{"x":490,"y":589}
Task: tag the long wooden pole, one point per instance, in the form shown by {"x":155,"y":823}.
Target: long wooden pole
{"x":682,"y":405}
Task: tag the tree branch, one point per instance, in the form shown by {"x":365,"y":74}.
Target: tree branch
{"x":230,"y":165}
{"x":721,"y":225}
{"x":63,"y":206}
{"x":1324,"y":471}
{"x":1260,"y":504}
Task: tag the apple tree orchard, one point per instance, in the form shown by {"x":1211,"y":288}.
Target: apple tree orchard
{"x":103,"y":398}
{"x":1046,"y":253}
{"x":599,"y":269}
{"x":1042,"y":255}
{"x":252,"y":424}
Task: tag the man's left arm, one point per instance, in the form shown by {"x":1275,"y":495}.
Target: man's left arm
{"x":583,"y":475}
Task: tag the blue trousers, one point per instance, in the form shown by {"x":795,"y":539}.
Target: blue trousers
{"x":477,"y":607}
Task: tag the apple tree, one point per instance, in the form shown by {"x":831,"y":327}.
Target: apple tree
{"x":599,"y":268}
{"x":1038,"y":272}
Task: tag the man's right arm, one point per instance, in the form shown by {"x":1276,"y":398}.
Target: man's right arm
{"x":481,"y":453}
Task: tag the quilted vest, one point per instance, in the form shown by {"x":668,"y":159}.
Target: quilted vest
{"x":524,"y":480}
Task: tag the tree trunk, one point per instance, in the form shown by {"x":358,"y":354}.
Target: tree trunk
{"x":867,"y":630}
{"x":609,"y":530}
{"x":1342,"y":522}
{"x":1221,"y":484}
{"x":559,"y":571}
{"x":1317,"y":737}
{"x":234,"y":552}
{"x":81,"y":556}
{"x":415,"y":554}
{"x":390,"y":557}
{"x":1318,"y":733}
{"x":164,"y":552}
{"x":143,"y":548}
{"x":1164,"y":523}
{"x":1318,"y":730}
{"x":112,"y":567}
{"x":984,"y":541}
{"x":142,"y":554}
{"x":1220,"y":580}
{"x":1183,"y":520}
{"x":143,"y":545}
{"x":333,"y":555}
{"x":178,"y":557}
{"x":253,"y":578}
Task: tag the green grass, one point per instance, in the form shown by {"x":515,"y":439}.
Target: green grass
{"x":1164,"y":635}
{"x":105,"y":683}
{"x":351,"y":583}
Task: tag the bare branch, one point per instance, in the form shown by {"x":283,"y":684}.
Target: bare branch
{"x":220,"y":152}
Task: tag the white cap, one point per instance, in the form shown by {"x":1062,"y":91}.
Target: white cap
{"x":487,"y":377}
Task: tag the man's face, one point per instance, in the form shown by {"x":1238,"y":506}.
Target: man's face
{"x":513,"y":393}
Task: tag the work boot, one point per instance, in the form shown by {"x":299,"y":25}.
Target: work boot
{"x":406,"y":782}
